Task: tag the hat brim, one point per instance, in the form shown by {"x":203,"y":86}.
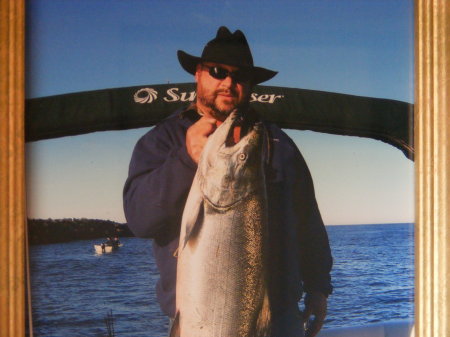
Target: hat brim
{"x":189,"y":63}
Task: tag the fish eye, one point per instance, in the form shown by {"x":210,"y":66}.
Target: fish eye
{"x":242,"y":156}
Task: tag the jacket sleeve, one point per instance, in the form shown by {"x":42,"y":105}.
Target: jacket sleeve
{"x":314,"y":249}
{"x":159,"y":179}
{"x":315,"y":257}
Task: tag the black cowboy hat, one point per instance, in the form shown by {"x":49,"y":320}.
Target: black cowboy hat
{"x":230,"y":49}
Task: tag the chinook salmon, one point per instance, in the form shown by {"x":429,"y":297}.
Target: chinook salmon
{"x":221,"y":274}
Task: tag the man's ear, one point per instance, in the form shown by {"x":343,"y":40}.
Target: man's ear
{"x":197,"y":72}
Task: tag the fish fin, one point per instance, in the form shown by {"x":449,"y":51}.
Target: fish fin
{"x":194,"y":225}
{"x":175,"y":328}
{"x":263,"y":323}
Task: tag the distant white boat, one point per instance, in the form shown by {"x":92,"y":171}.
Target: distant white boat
{"x":102,"y":248}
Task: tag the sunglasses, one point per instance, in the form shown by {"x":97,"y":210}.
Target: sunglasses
{"x":220,"y":73}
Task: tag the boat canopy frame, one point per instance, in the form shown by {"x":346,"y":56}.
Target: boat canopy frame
{"x":390,"y":121}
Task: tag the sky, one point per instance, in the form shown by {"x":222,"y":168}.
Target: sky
{"x":358,"y":47}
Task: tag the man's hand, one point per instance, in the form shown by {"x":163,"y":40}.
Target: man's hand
{"x":197,"y":135}
{"x":316,"y":305}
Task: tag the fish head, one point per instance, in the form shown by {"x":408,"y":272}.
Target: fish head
{"x":232,"y":171}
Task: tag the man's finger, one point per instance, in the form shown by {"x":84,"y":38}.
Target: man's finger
{"x":209,"y":119}
{"x":314,"y":328}
{"x":306,"y":315}
{"x":208,"y":125}
{"x":316,"y":324}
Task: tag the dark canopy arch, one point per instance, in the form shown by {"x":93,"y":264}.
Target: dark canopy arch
{"x":387,"y":120}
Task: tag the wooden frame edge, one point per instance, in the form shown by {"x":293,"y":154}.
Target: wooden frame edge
{"x":432,"y":142}
{"x":432,"y":139}
{"x":12,"y":182}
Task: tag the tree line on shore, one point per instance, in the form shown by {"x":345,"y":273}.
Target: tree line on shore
{"x":44,"y":231}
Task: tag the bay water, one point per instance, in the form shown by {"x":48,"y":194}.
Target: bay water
{"x":73,"y":289}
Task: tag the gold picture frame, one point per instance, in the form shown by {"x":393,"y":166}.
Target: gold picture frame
{"x":432,"y":141}
{"x":12,"y":176}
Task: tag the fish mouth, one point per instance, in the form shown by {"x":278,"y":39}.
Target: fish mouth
{"x":230,"y":144}
{"x":227,"y":165}
{"x":222,"y":140}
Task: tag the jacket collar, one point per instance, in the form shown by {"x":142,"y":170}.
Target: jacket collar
{"x":190,"y":112}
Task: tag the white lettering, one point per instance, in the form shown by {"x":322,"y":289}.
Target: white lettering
{"x":172,"y":92}
{"x":188,"y":99}
{"x":265,"y":98}
{"x":175,"y":96}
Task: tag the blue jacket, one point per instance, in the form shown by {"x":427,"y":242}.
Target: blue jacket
{"x":160,"y":176}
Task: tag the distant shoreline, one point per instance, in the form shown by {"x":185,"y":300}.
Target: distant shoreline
{"x":45,"y":231}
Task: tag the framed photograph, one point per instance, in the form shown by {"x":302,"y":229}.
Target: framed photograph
{"x":75,"y":181}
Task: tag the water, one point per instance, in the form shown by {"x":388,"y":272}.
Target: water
{"x":73,"y":289}
{"x":373,"y":274}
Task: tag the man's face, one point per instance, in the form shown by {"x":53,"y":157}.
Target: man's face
{"x":218,"y":97}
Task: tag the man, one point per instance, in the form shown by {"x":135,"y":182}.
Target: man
{"x":163,"y":165}
{"x":109,"y":242}
{"x":116,"y":242}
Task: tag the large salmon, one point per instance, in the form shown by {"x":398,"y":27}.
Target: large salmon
{"x":221,"y":274}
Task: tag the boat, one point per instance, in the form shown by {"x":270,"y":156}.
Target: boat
{"x":103,"y":248}
{"x":292,"y":108}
